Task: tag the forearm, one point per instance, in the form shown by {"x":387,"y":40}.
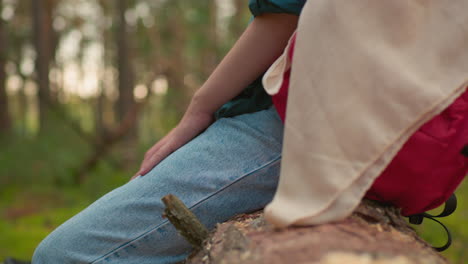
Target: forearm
{"x":259,"y":46}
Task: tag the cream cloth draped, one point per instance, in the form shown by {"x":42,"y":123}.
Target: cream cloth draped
{"x":366,"y":74}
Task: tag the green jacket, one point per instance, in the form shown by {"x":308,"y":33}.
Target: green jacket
{"x":254,"y":98}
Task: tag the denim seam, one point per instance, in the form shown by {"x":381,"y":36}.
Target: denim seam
{"x":191,"y":207}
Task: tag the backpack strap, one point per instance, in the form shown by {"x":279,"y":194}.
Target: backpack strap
{"x":449,"y":208}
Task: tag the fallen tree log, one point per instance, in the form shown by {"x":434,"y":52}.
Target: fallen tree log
{"x":373,"y":234}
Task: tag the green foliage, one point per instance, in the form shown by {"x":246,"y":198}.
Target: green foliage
{"x":20,"y":236}
{"x":49,"y":158}
{"x":36,"y":191}
{"x":31,"y":212}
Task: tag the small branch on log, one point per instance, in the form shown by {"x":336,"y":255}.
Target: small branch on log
{"x":184,"y":221}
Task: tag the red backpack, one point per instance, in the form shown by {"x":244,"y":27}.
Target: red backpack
{"x":429,"y":167}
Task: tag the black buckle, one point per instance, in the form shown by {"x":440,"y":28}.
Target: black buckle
{"x":464,"y":151}
{"x":449,"y":208}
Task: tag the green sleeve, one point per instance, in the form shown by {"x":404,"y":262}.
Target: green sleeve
{"x":258,"y":7}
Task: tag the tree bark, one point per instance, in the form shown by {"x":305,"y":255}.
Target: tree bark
{"x":101,"y":101}
{"x":5,"y":121}
{"x":177,"y":96}
{"x":210,"y":49}
{"x":238,"y":23}
{"x":126,"y":101}
{"x":126,"y":82}
{"x":43,"y":41}
{"x":373,"y":234}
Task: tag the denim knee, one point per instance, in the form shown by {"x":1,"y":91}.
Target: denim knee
{"x":47,"y":252}
{"x":56,"y":249}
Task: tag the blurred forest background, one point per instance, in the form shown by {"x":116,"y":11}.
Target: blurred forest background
{"x":87,"y":86}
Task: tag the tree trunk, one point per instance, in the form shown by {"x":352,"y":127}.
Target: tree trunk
{"x":126,"y":101}
{"x":43,"y":41}
{"x":100,"y":127}
{"x":210,"y":49}
{"x":5,"y":121}
{"x":23,"y":106}
{"x":105,"y":108}
{"x":373,"y":234}
{"x":238,"y":23}
{"x":177,"y":96}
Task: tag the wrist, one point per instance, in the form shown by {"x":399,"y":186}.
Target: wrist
{"x":201,"y":105}
{"x":197,"y":115}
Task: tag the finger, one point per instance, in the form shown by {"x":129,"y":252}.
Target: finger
{"x":154,"y":148}
{"x":156,"y":159}
{"x":148,"y":156}
{"x":157,"y":146}
{"x":134,"y":176}
{"x":149,"y":162}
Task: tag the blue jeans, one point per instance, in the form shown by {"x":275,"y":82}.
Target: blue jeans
{"x":231,"y":168}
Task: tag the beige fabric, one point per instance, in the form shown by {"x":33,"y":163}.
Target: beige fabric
{"x":366,"y":74}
